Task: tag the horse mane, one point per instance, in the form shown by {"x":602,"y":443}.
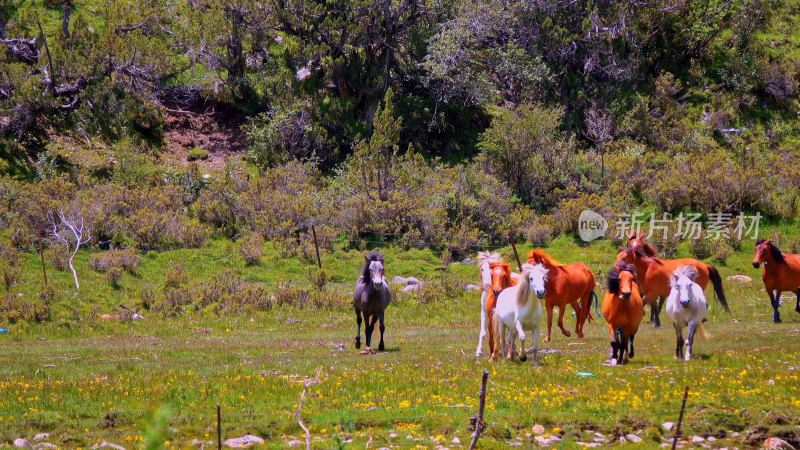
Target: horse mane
{"x":524,"y":287}
{"x":650,"y":249}
{"x":687,"y":271}
{"x":777,"y":255}
{"x":371,"y":257}
{"x":548,"y":260}
{"x":612,"y":284}
{"x":643,"y":252}
{"x":487,"y":256}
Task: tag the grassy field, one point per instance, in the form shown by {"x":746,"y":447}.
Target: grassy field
{"x":156,"y":381}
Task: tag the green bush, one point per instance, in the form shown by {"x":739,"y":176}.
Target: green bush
{"x":128,"y":260}
{"x":318,"y":277}
{"x":251,"y":247}
{"x":197,"y":154}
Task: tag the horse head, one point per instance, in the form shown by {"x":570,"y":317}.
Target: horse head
{"x":621,"y":279}
{"x":682,"y":280}
{"x":501,"y":276}
{"x":766,"y":252}
{"x":535,"y":275}
{"x":373,"y":268}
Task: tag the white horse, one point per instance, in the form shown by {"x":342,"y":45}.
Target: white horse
{"x":686,"y":305}
{"x":520,"y":308}
{"x":484,"y":258}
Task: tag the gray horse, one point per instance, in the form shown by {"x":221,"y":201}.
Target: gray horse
{"x":371,"y":298}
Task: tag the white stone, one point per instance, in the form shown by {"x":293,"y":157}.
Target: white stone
{"x":105,"y":444}
{"x":633,"y":438}
{"x":697,"y":439}
{"x":19,"y":442}
{"x":538,"y":429}
{"x":243,"y":441}
{"x":294,"y":443}
{"x":41,"y":436}
{"x":667,"y":425}
{"x":456,"y":440}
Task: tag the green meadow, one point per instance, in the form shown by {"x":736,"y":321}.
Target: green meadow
{"x":156,"y":381}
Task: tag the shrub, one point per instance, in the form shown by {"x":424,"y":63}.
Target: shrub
{"x":700,"y":248}
{"x":59,"y":258}
{"x":251,"y":248}
{"x":289,"y":295}
{"x":538,"y":234}
{"x":128,"y":260}
{"x":526,"y":148}
{"x":114,"y":276}
{"x":229,"y":293}
{"x":318,"y":278}
{"x":176,"y":290}
{"x":197,"y":153}
{"x":14,"y":308}
{"x":10,"y":274}
{"x":721,"y":251}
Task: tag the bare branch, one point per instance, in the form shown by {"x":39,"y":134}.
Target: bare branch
{"x":306,"y":384}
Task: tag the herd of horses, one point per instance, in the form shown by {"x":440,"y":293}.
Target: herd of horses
{"x":512,"y":304}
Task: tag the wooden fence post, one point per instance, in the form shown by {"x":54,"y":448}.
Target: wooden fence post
{"x":481,"y":404}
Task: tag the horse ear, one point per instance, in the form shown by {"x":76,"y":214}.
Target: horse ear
{"x":366,"y":258}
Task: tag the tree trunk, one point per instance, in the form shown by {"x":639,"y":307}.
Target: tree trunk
{"x":72,"y":267}
{"x":236,"y":63}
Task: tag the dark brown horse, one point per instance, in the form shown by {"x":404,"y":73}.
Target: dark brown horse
{"x":371,"y":298}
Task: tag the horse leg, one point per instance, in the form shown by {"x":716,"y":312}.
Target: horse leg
{"x":368,"y":328}
{"x":549,"y":322}
{"x":522,"y":336}
{"x":358,"y":328}
{"x":578,"y":319}
{"x":797,"y":307}
{"x":382,"y":329}
{"x":775,"y":299}
{"x":630,"y":340}
{"x":561,"y":310}
{"x":655,"y":311}
{"x":690,"y":339}
{"x":623,"y":346}
{"x":535,"y":345}
{"x":613,"y":352}
{"x":482,"y":335}
{"x":679,"y":343}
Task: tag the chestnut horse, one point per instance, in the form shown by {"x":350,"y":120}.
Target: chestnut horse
{"x":653,"y":276}
{"x":781,"y":273}
{"x":501,"y":279}
{"x":636,"y":240}
{"x":567,"y":284}
{"x":623,"y":309}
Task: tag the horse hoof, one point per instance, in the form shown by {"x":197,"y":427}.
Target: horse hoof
{"x":478,"y":354}
{"x":580,"y":335}
{"x":547,"y":339}
{"x":777,"y":321}
{"x":380,"y":347}
{"x":358,"y":343}
{"x":523,"y":357}
{"x":797,"y":309}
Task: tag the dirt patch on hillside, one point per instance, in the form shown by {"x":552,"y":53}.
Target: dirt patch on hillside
{"x":213,"y":127}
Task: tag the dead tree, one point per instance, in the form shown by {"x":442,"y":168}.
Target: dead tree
{"x":307,"y":383}
{"x":72,"y":231}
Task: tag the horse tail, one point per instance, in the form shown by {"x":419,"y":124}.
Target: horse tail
{"x":594,"y":297}
{"x":716,"y":280}
{"x":496,"y":350}
{"x":702,"y":330}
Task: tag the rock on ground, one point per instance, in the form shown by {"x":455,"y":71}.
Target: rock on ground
{"x":22,"y":443}
{"x":776,"y":443}
{"x":41,"y":436}
{"x":244,"y":441}
{"x":538,"y":429}
{"x":667,"y":425}
{"x":105,"y":444}
{"x":295,"y":443}
{"x":742,"y":278}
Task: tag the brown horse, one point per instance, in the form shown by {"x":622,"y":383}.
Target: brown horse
{"x":653,"y":277}
{"x":781,"y":273}
{"x":501,"y":279}
{"x":567,"y":284}
{"x":623,"y":309}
